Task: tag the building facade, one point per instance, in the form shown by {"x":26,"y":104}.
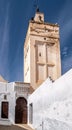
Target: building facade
{"x":13,"y":102}
{"x":41,"y":51}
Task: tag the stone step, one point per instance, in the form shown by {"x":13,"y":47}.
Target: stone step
{"x":5,"y":122}
{"x":16,"y":127}
{"x":27,"y":127}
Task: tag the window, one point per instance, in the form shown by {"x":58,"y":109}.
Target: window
{"x":31,"y":113}
{"x":40,"y":54}
{"x":44,"y":38}
{"x":5,"y":97}
{"x":4,"y":110}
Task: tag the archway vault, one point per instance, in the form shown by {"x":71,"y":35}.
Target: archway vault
{"x":21,"y":111}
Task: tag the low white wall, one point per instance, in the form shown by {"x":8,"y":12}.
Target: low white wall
{"x":40,"y":99}
{"x":47,"y":95}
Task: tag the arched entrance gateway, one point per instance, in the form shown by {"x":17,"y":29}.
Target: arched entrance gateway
{"x":21,"y":111}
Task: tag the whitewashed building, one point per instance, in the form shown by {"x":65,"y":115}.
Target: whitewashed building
{"x":13,"y":102}
{"x":51,"y":104}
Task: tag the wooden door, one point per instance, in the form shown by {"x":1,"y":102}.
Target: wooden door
{"x":21,"y":111}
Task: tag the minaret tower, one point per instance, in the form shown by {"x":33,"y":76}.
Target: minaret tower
{"x":41,"y":51}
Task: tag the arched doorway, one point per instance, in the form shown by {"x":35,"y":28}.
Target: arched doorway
{"x":21,"y":111}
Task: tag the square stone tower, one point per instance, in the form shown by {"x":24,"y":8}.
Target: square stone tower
{"x":41,"y":51}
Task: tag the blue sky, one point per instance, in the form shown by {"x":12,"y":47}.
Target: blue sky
{"x":14,"y":18}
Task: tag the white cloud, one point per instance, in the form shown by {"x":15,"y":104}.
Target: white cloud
{"x":66,"y":31}
{"x":4,"y":40}
{"x":65,"y":51}
{"x":65,"y":12}
{"x":66,"y":63}
{"x":65,"y":20}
